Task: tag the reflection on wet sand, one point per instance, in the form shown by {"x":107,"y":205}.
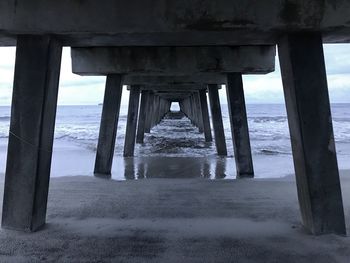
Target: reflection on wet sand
{"x":177,"y":167}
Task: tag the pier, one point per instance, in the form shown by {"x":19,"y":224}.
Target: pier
{"x":173,"y":51}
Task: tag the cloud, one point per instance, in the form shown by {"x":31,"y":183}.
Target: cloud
{"x":268,"y":88}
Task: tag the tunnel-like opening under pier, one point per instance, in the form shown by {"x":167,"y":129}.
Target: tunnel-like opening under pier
{"x":169,"y":51}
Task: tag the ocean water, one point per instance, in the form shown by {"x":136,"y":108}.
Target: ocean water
{"x":78,"y":126}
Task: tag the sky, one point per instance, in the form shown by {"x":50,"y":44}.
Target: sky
{"x":76,"y":90}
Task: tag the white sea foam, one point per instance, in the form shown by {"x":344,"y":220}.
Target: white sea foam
{"x":268,"y":128}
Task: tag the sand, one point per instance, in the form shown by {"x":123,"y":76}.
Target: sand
{"x":174,"y":220}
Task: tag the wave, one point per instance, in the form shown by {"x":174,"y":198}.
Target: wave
{"x":4,"y":118}
{"x":272,"y":152}
{"x":266,"y":119}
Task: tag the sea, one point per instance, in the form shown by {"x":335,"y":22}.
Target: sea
{"x":77,"y":127}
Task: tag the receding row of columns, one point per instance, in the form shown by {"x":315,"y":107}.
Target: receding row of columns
{"x":153,"y":108}
{"x":139,"y":121}
{"x":306,"y":93}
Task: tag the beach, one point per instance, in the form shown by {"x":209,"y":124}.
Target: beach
{"x":174,"y":220}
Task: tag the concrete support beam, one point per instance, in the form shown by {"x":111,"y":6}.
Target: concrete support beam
{"x":142,"y":116}
{"x":155,"y":109}
{"x":173,"y":61}
{"x":205,"y":115}
{"x":192,"y":80}
{"x":187,"y":108}
{"x":198,"y":112}
{"x":34,"y":103}
{"x":109,"y":125}
{"x":217,"y":120}
{"x":133,"y":110}
{"x":148,"y":123}
{"x":178,"y":23}
{"x":239,"y":125}
{"x":192,"y":111}
{"x":173,"y":88}
{"x":310,"y":124}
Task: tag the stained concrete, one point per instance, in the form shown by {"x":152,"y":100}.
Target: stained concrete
{"x":131,"y":125}
{"x":142,"y":116}
{"x":109,"y":124}
{"x":33,"y":113}
{"x":216,"y":115}
{"x":182,"y":22}
{"x":205,"y":115}
{"x":195,"y":79}
{"x":173,"y":61}
{"x":239,"y":125}
{"x":310,"y":125}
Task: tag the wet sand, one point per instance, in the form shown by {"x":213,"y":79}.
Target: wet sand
{"x":174,"y":220}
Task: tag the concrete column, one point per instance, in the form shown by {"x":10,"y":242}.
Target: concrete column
{"x":217,"y":119}
{"x":205,"y":116}
{"x":159,"y":113}
{"x":181,"y":105}
{"x":133,"y":110}
{"x":310,"y":124}
{"x":109,"y":125}
{"x":148,"y":124}
{"x":239,"y":125}
{"x":193,"y":111}
{"x":190,"y":106}
{"x":198,"y":112}
{"x":34,"y":103}
{"x":142,"y":117}
{"x":155,"y":111}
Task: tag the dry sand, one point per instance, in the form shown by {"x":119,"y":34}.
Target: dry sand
{"x":174,"y":220}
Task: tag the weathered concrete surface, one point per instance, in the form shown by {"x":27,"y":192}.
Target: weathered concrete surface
{"x":174,"y":96}
{"x":196,"y":79}
{"x":174,"y":92}
{"x":199,"y":113}
{"x":167,"y":22}
{"x":216,"y":115}
{"x":109,"y":125}
{"x":239,"y":125}
{"x":37,"y":70}
{"x":173,"y":88}
{"x":310,"y":124}
{"x":133,"y":111}
{"x":142,"y":116}
{"x":173,"y":60}
{"x":205,"y":115}
{"x":148,"y":123}
{"x":190,"y":108}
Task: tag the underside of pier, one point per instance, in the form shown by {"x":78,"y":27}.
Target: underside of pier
{"x":165,"y":52}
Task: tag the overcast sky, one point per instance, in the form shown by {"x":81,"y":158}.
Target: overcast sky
{"x":258,"y":89}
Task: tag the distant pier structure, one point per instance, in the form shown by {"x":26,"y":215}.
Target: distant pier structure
{"x":173,"y":51}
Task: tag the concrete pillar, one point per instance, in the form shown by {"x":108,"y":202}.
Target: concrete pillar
{"x":198,"y":112}
{"x":159,"y":113}
{"x":34,"y":103}
{"x":310,"y":124}
{"x":109,"y":125}
{"x":142,"y":117}
{"x":217,"y":119}
{"x":133,"y":110}
{"x":181,"y":105}
{"x":155,"y":111}
{"x":193,"y":111}
{"x":205,"y":115}
{"x":239,"y":125}
{"x":148,"y":124}
{"x":190,"y":106}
